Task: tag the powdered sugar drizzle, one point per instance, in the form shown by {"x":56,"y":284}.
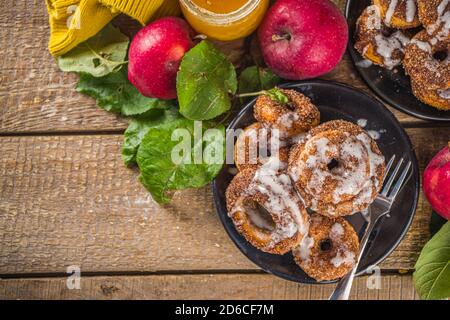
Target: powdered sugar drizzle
{"x":282,"y":201}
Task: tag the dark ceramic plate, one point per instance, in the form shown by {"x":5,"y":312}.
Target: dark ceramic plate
{"x":336,"y":101}
{"x":392,"y":86}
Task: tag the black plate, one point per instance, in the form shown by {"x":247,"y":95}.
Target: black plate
{"x":336,"y":101}
{"x":392,"y":86}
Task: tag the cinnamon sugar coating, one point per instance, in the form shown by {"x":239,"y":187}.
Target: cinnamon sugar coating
{"x":404,"y":16}
{"x":430,"y":76}
{"x":338,"y":169}
{"x":299,"y":116}
{"x":329,"y":251}
{"x":429,"y":10}
{"x":245,"y":201}
{"x":378,"y":43}
{"x":251,"y":141}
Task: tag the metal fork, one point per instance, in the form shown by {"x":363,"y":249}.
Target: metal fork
{"x":379,"y":208}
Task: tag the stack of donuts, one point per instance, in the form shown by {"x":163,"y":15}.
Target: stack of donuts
{"x":296,"y":181}
{"x":415,"y":34}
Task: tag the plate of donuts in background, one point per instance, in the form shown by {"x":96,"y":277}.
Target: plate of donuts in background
{"x":303,"y":169}
{"x":401,"y":50}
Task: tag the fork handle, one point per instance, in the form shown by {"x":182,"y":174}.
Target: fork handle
{"x":344,"y":287}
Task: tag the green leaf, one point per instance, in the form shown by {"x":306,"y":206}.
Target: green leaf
{"x":256,"y":79}
{"x":277,"y":95}
{"x":161,"y":175}
{"x":100,"y":55}
{"x":205,"y":82}
{"x":139,"y":127}
{"x":115,"y":93}
{"x":432,"y":270}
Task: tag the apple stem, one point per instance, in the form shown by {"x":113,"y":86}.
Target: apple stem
{"x":251,"y":94}
{"x":277,"y":37}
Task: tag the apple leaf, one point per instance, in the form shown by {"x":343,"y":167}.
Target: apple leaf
{"x":139,"y":127}
{"x":432,"y":270}
{"x":256,"y":79}
{"x":115,"y":93}
{"x":161,"y":175}
{"x":98,"y":56}
{"x":205,"y":83}
{"x":277,"y":95}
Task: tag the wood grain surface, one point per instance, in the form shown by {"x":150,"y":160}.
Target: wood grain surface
{"x":67,"y":199}
{"x":254,"y":287}
{"x":36,"y":97}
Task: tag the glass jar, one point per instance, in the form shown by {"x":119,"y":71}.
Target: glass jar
{"x":224,"y":26}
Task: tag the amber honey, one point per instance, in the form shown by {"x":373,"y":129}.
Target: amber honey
{"x":224,"y":19}
{"x":220,"y":6}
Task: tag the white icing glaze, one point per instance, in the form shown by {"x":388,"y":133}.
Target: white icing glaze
{"x":298,"y":138}
{"x":390,"y":12}
{"x":375,"y":135}
{"x":288,"y":119}
{"x":303,"y":251}
{"x":386,"y":46}
{"x":357,"y":180}
{"x":444,"y":93}
{"x":374,"y":18}
{"x":422,"y":45}
{"x":410,"y":10}
{"x":362,"y":123}
{"x":343,"y":257}
{"x":337,"y":231}
{"x":282,"y":201}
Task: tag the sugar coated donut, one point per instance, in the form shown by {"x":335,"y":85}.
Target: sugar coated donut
{"x":330,"y":249}
{"x":256,"y":144}
{"x":432,"y":11}
{"x":338,"y":169}
{"x":265,"y":208}
{"x":376,"y":42}
{"x":401,"y":14}
{"x":427,"y":62}
{"x":293,"y":118}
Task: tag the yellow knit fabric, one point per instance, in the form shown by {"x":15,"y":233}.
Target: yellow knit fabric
{"x":75,"y":21}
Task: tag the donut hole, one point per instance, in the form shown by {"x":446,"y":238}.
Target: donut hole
{"x":387,"y":32}
{"x":259,"y":217}
{"x":440,"y":55}
{"x":333,"y":164}
{"x":326,"y":245}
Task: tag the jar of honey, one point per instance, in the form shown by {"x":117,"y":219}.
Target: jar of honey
{"x":224,"y":19}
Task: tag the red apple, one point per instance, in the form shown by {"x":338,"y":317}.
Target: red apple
{"x":303,"y":39}
{"x":436,"y":182}
{"x":155,"y":55}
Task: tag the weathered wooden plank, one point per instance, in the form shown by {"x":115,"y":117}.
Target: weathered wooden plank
{"x":69,"y":200}
{"x":209,"y":286}
{"x":36,"y":97}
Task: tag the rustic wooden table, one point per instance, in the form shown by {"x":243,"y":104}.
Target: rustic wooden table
{"x":66,"y":199}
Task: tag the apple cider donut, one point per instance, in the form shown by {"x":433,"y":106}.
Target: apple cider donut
{"x":427,"y":62}
{"x":376,"y":42}
{"x":338,"y":170}
{"x":296,"y":117}
{"x":265,"y":208}
{"x":255,"y":145}
{"x":431,"y":12}
{"x":330,"y":249}
{"x":401,"y":14}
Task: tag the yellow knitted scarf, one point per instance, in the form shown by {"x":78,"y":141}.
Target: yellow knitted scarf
{"x":75,"y":21}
